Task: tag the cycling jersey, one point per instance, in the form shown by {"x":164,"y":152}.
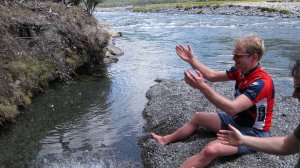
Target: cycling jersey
{"x":258,"y":86}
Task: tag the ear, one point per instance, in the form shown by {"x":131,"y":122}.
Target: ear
{"x":255,"y":57}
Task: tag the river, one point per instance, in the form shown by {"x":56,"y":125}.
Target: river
{"x":94,"y":121}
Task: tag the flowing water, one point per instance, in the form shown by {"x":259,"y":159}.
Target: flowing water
{"x":95,"y":121}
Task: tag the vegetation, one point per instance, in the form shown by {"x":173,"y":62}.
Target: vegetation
{"x":7,"y":113}
{"x":200,"y":12}
{"x":146,"y":6}
{"x":284,"y":11}
{"x":90,"y":5}
{"x":178,"y":5}
{"x":265,"y":9}
{"x":111,"y":3}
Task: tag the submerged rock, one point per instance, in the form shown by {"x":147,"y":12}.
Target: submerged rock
{"x":172,"y":103}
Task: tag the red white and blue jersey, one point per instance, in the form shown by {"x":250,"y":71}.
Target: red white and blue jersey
{"x":258,"y":86}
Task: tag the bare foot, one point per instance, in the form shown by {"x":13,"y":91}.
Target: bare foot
{"x":160,"y":139}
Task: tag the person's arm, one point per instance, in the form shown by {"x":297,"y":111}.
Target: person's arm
{"x":231,"y":107}
{"x":272,"y":145}
{"x":209,"y":74}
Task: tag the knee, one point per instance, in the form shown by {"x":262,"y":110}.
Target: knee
{"x":210,"y":151}
{"x":196,"y":117}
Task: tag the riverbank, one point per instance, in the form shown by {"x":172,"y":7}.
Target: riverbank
{"x":265,"y":9}
{"x":171,"y":103}
{"x":45,"y":42}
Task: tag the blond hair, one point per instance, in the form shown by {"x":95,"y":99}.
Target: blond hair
{"x":252,"y":44}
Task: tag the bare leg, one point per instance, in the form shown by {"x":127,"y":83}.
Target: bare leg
{"x":210,"y":152}
{"x":208,"y":120}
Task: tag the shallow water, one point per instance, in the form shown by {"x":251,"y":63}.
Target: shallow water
{"x":95,"y":121}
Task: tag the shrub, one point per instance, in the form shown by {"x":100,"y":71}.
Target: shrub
{"x":187,"y":8}
{"x":200,"y":12}
{"x":265,"y":9}
{"x":91,"y":5}
{"x":284,"y":12}
{"x":247,"y":7}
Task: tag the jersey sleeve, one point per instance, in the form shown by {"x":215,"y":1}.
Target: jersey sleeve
{"x":254,"y":90}
{"x":232,"y":73}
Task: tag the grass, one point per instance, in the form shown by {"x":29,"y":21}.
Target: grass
{"x":179,"y":5}
{"x":265,"y":9}
{"x":284,"y":11}
{"x":29,"y":78}
{"x":148,"y":6}
{"x":111,"y":3}
{"x":7,"y":111}
{"x":37,"y":72}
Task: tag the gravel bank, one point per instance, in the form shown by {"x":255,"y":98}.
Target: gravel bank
{"x":172,"y":103}
{"x":265,"y":9}
{"x":291,"y":6}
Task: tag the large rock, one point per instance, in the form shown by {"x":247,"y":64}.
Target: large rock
{"x":172,"y":103}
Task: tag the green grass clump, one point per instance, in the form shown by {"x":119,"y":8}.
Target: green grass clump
{"x":7,"y":113}
{"x":178,"y":5}
{"x":284,"y":11}
{"x":188,"y":8}
{"x":32,"y":75}
{"x":246,"y":7}
{"x":265,"y":9}
{"x":21,"y":98}
{"x":199,"y":12}
{"x":4,"y":108}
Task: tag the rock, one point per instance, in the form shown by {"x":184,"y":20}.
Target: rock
{"x":171,"y":103}
{"x":114,"y":50}
{"x":115,"y":33}
{"x":112,"y":53}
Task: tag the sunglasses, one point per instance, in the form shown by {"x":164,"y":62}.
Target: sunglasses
{"x":239,"y":55}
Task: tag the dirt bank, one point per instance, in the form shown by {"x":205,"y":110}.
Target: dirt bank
{"x":41,"y":43}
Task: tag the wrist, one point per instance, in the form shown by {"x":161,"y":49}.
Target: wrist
{"x":193,"y":61}
{"x":243,"y":140}
{"x":203,"y":87}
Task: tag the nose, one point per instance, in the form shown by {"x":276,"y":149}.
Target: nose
{"x":233,"y":57}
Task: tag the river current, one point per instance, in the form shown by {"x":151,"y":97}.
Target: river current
{"x":95,"y":121}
